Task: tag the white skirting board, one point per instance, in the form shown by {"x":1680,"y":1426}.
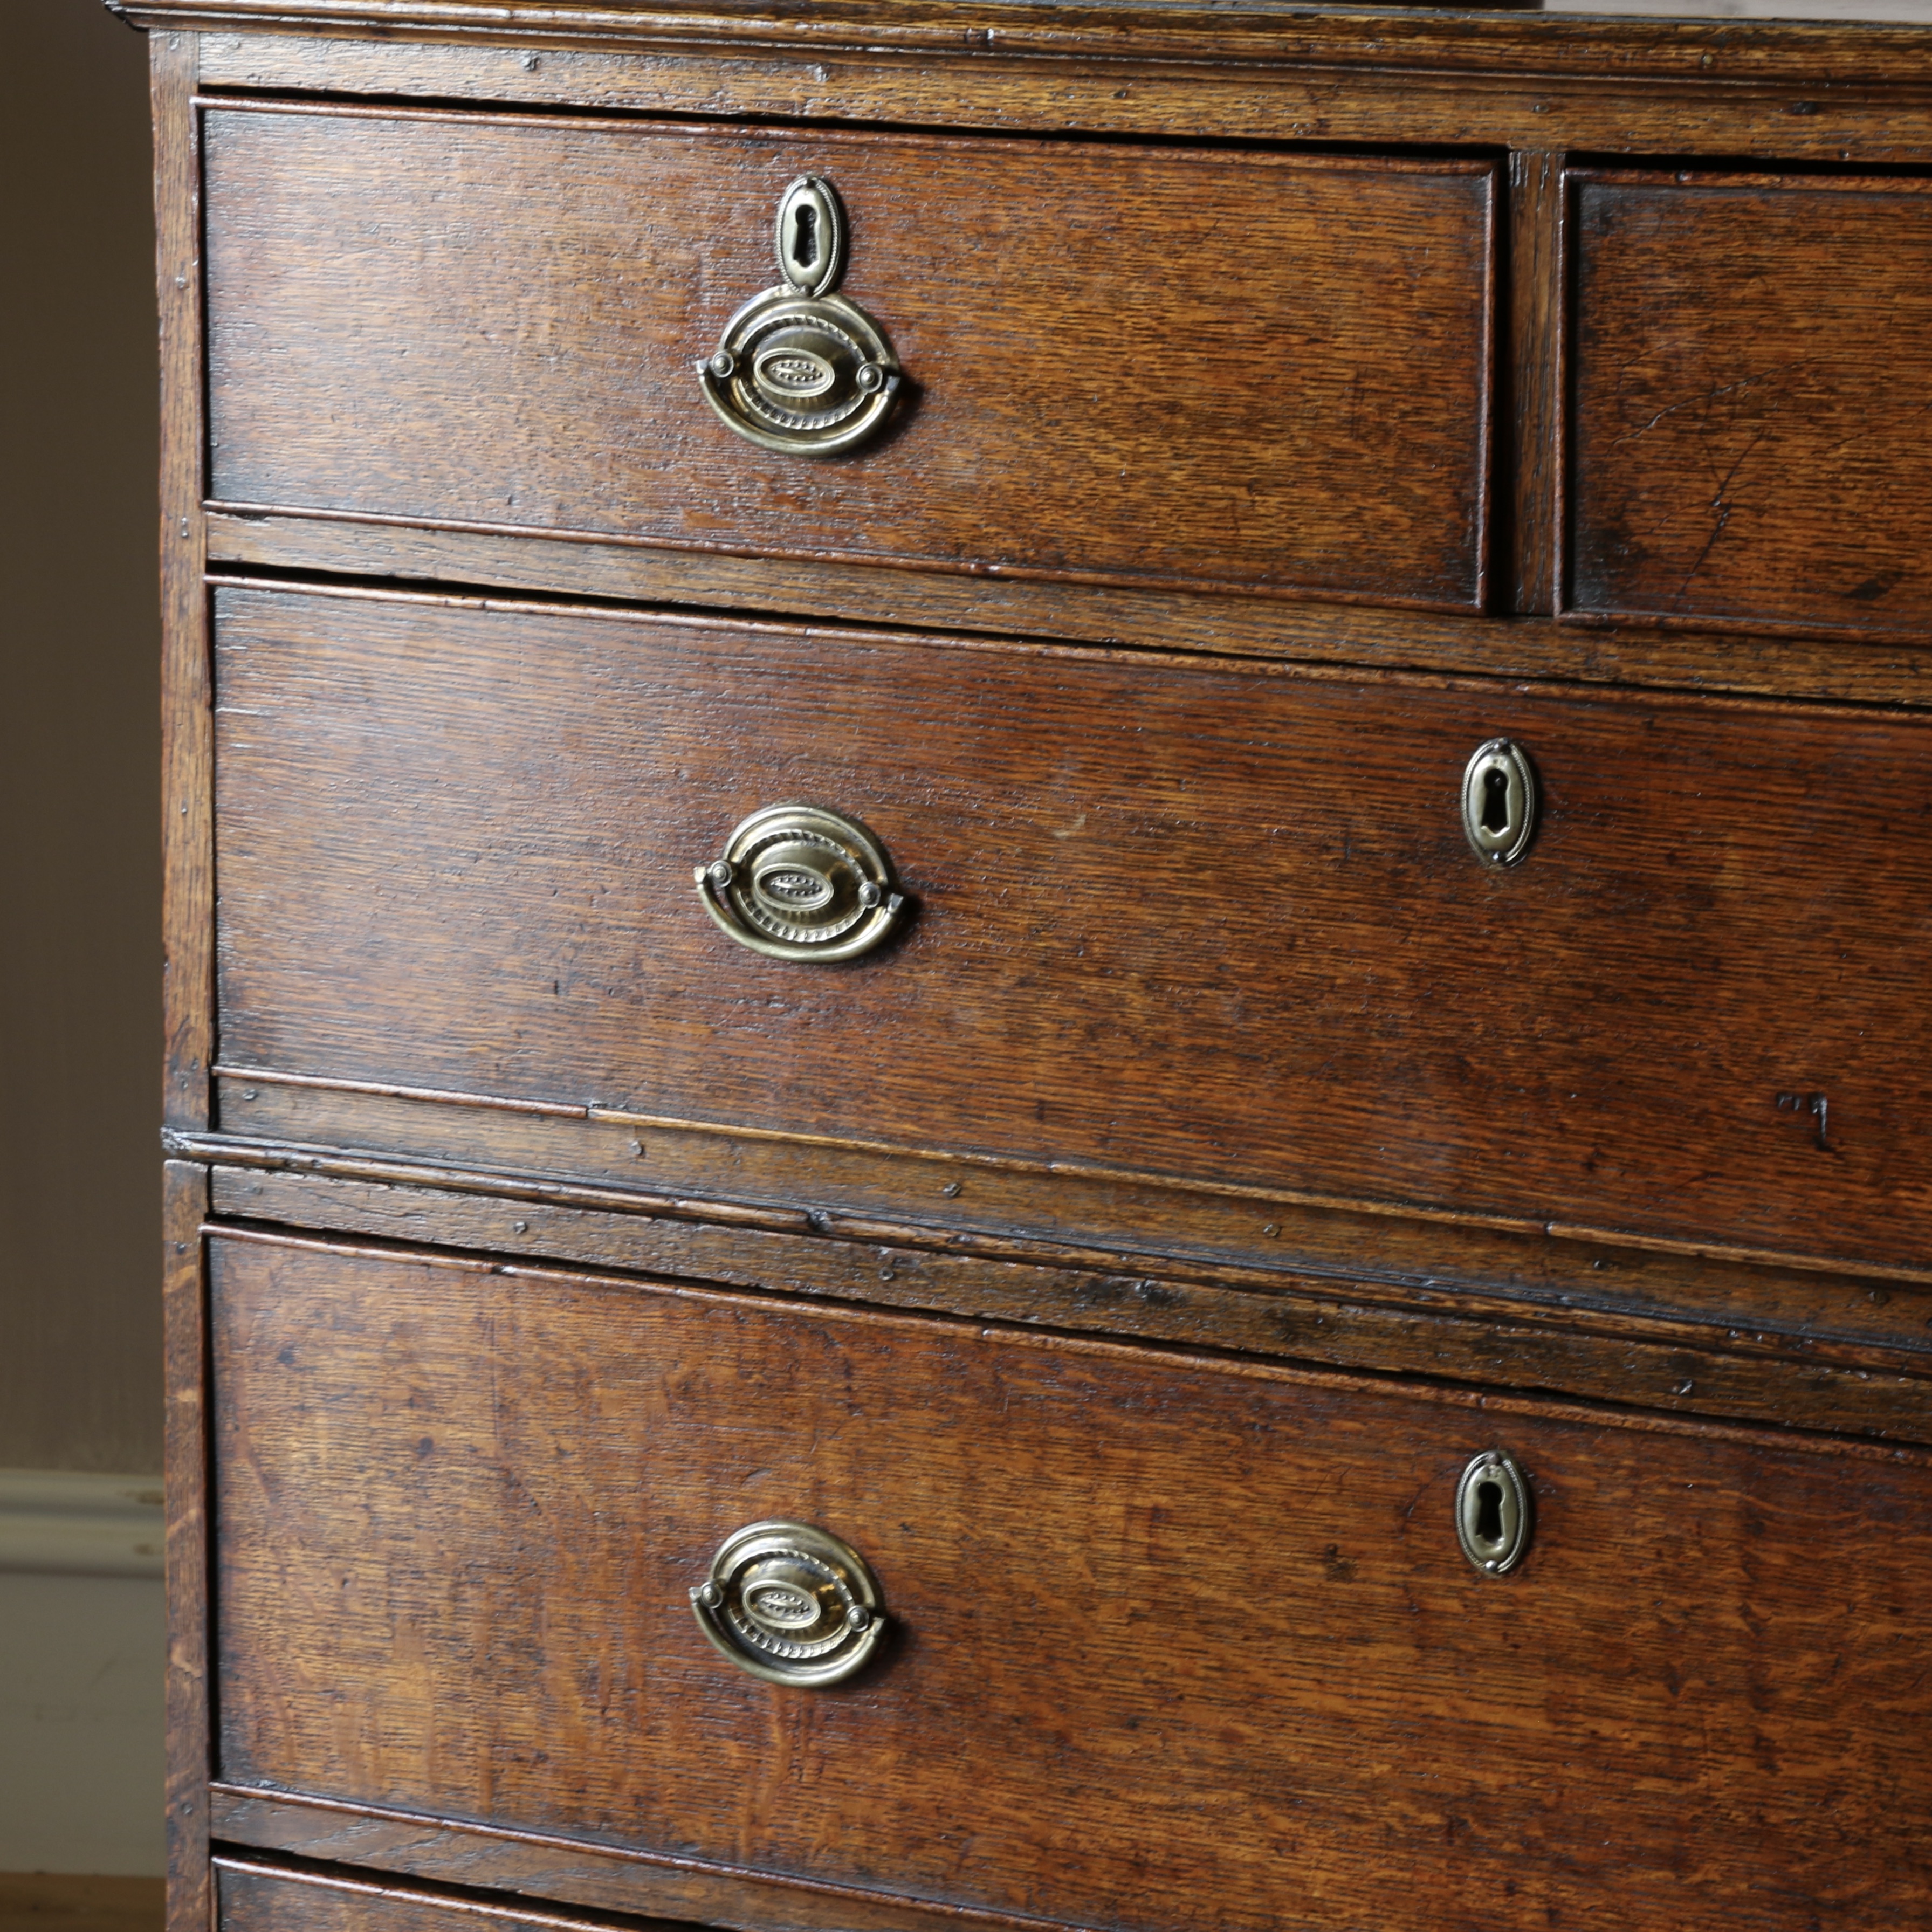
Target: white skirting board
{"x":82,"y":1647}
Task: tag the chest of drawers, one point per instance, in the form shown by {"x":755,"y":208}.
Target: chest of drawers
{"x":1049,"y":897}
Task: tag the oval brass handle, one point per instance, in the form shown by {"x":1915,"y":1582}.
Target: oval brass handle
{"x":1499,"y":802}
{"x":799,"y":369}
{"x":790,"y":1604}
{"x":799,"y":882}
{"x":1492,"y":1512}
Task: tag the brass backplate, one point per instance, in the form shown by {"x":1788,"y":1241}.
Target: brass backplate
{"x":790,"y":1604}
{"x":802,"y":882}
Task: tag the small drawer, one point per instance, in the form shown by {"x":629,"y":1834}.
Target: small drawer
{"x":1118,"y":364}
{"x":1215,"y":922}
{"x":1747,"y":426}
{"x":1150,"y":1630}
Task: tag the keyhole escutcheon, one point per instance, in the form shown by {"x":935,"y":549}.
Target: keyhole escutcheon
{"x":811,"y":235}
{"x":1499,"y":802}
{"x":1492,"y":1513}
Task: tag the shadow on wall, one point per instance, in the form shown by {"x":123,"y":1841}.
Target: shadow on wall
{"x":80,"y":1630}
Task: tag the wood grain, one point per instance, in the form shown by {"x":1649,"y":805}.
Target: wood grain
{"x":1172,"y":918}
{"x":188,"y":829}
{"x":1132,"y":1593}
{"x":259,"y":1898}
{"x":1863,"y":1316}
{"x":1258,"y":370}
{"x":1536,"y":203}
{"x":1597,"y":1354}
{"x":1208,"y":1036}
{"x":1855,"y":670}
{"x":184,"y":1202}
{"x":1748,"y":424}
{"x":1462,"y":42}
{"x":1816,"y":91}
{"x":525,"y":1867}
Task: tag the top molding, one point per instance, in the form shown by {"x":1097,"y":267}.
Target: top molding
{"x":1821,"y":55}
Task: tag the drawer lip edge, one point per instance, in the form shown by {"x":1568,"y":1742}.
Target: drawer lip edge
{"x":1560,"y":1411}
{"x":227,"y":1798}
{"x":211,"y":1145}
{"x":527,"y":600}
{"x":1475,"y":604}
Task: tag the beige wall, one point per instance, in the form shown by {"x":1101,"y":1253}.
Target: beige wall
{"x":80,"y":1020}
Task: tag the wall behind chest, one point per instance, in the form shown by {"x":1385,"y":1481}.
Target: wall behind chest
{"x":80,"y":1333}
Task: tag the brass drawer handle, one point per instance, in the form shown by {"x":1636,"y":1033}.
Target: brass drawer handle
{"x":1492,"y":1513}
{"x":798,"y":882}
{"x":1499,"y":802}
{"x":799,"y":369}
{"x":790,"y":1604}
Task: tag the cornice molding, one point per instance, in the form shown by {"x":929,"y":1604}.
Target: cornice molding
{"x":1827,"y":54}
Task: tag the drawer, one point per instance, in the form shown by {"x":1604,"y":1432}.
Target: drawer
{"x":258,"y":1898}
{"x":1747,"y":427}
{"x":1121,"y":364}
{"x":1168,"y":918}
{"x":1168,"y":1642}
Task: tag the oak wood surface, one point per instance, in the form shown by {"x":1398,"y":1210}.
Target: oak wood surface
{"x":255,"y":1897}
{"x":1792,"y":91}
{"x":1172,"y":918}
{"x":1531,"y":372}
{"x":1857,"y":671}
{"x":1258,"y":369}
{"x":1469,"y":41}
{"x":557,"y":1871}
{"x":1702,"y":1706}
{"x":187,"y":829}
{"x":531,"y":1871}
{"x":1749,"y":424}
{"x":1134,"y":1596}
{"x":188,"y":1552}
{"x":1870,"y":1319}
{"x":1761,"y":1376}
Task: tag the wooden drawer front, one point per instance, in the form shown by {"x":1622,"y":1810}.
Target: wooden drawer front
{"x":1178,"y":1642}
{"x":253,"y":1898}
{"x":1216,"y":922}
{"x":1749,"y":440}
{"x":1130,"y":365}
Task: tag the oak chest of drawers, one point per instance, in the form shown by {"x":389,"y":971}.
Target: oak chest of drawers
{"x":1050,"y":892}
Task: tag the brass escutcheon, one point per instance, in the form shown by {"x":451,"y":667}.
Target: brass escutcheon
{"x":790,"y":1604}
{"x":1492,"y":1512}
{"x":1499,"y":802}
{"x":800,"y":882}
{"x":799,"y":369}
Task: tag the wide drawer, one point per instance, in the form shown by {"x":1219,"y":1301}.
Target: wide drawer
{"x":1123,"y":365}
{"x":252,"y":1898}
{"x":1747,"y":427}
{"x":1168,"y":918}
{"x":1171,"y":1642}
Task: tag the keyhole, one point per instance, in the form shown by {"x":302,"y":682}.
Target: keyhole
{"x":1496,"y":800}
{"x":804,"y":236}
{"x":1489,"y":1512}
